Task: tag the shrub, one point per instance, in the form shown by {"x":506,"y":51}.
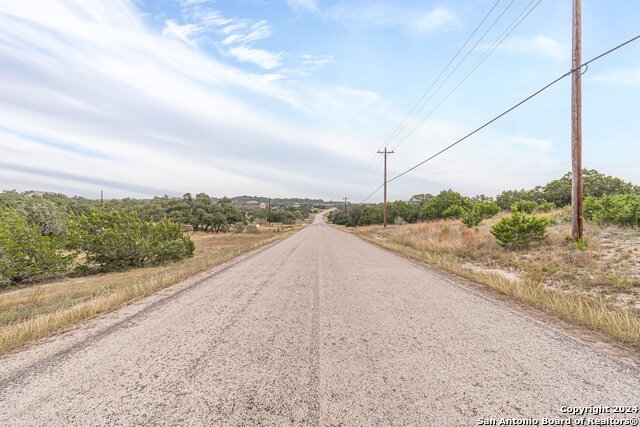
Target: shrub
{"x":526,"y":206}
{"x":239,"y":227}
{"x":434,"y":208}
{"x":520,"y":230}
{"x":618,"y":209}
{"x":399,"y":221}
{"x":25,"y":254}
{"x":166,"y":242}
{"x":507,"y":198}
{"x":454,"y":211}
{"x":545,"y":207}
{"x":479,"y":212}
{"x":116,"y":240}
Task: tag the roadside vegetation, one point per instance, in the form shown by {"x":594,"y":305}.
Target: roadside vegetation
{"x":64,"y":260}
{"x":29,"y":313}
{"x":48,"y":236}
{"x":520,"y":244}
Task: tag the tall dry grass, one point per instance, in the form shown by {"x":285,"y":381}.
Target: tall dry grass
{"x":524,"y":276}
{"x":29,"y":314}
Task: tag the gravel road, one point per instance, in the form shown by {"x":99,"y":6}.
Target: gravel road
{"x":319,"y":329}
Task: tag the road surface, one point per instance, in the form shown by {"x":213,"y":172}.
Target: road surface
{"x":319,"y":329}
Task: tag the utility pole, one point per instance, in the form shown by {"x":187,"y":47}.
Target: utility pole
{"x":345,"y":207}
{"x":385,"y":152}
{"x":576,"y":124}
{"x":269,"y":213}
{"x":101,"y":198}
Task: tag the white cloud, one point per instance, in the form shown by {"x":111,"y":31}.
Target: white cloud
{"x":257,"y":31}
{"x":316,"y":60}
{"x":262,"y":58}
{"x":539,"y":46}
{"x":303,"y":5}
{"x":105,"y":102}
{"x":629,"y":77}
{"x":181,"y":32}
{"x":382,"y":15}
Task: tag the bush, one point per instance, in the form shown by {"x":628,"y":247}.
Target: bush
{"x":479,"y":212}
{"x":526,"y":206}
{"x":520,"y":230}
{"x":436,"y":207}
{"x":454,"y":211}
{"x":25,"y":254}
{"x":238,"y":227}
{"x":545,"y":207}
{"x":116,"y":240}
{"x":507,"y":198}
{"x":166,"y":242}
{"x":619,"y":209}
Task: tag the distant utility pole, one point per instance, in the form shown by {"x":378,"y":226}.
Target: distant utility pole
{"x":345,"y":207}
{"x":101,"y":198}
{"x":577,"y":211}
{"x":269,"y":213}
{"x":385,"y":152}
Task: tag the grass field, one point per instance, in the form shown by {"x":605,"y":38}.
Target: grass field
{"x":595,"y":284}
{"x":38,"y":311}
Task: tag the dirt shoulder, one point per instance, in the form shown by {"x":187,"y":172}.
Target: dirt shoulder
{"x":42,"y":310}
{"x":530,"y":279}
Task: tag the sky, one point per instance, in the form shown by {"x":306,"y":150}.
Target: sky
{"x":292,"y":98}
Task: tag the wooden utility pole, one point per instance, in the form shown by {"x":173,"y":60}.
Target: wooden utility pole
{"x":269,"y":213}
{"x":576,"y":124}
{"x":345,"y":207}
{"x":385,"y":152}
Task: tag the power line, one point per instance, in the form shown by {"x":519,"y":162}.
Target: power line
{"x":504,"y":113}
{"x":461,"y":61}
{"x":501,"y":38}
{"x":408,"y":116}
{"x":405,"y":121}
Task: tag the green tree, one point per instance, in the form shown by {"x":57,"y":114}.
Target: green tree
{"x":526,"y":206}
{"x":520,"y":231}
{"x":117,"y":240}
{"x":479,"y":212}
{"x":435,"y":207}
{"x":26,"y":255}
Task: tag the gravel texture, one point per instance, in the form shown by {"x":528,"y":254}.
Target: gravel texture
{"x":319,"y":329}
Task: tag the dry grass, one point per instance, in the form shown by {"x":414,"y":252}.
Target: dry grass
{"x":39,"y":311}
{"x":597,"y":288}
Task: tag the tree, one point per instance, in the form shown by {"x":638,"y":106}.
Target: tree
{"x":520,"y":231}
{"x":435,"y":207}
{"x":116,"y":240}
{"x":26,"y":255}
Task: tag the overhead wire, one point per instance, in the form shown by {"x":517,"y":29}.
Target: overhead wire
{"x":446,"y":67}
{"x":501,"y":38}
{"x":373,"y":161}
{"x":504,"y":113}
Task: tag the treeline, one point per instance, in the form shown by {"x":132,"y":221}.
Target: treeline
{"x":201,"y":212}
{"x":607,"y":200}
{"x":49,"y":235}
{"x":96,"y":241}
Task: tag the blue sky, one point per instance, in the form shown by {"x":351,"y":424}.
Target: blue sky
{"x":294,"y":97}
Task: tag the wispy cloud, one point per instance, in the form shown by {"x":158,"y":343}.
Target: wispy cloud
{"x":137,"y":113}
{"x":539,"y":46}
{"x":629,"y":77}
{"x":303,"y":5}
{"x":413,"y":20}
{"x":263,"y":58}
{"x":235,"y":37}
{"x":181,"y":32}
{"x":243,"y":33}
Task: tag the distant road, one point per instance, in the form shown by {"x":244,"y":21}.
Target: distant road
{"x":319,"y":329}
